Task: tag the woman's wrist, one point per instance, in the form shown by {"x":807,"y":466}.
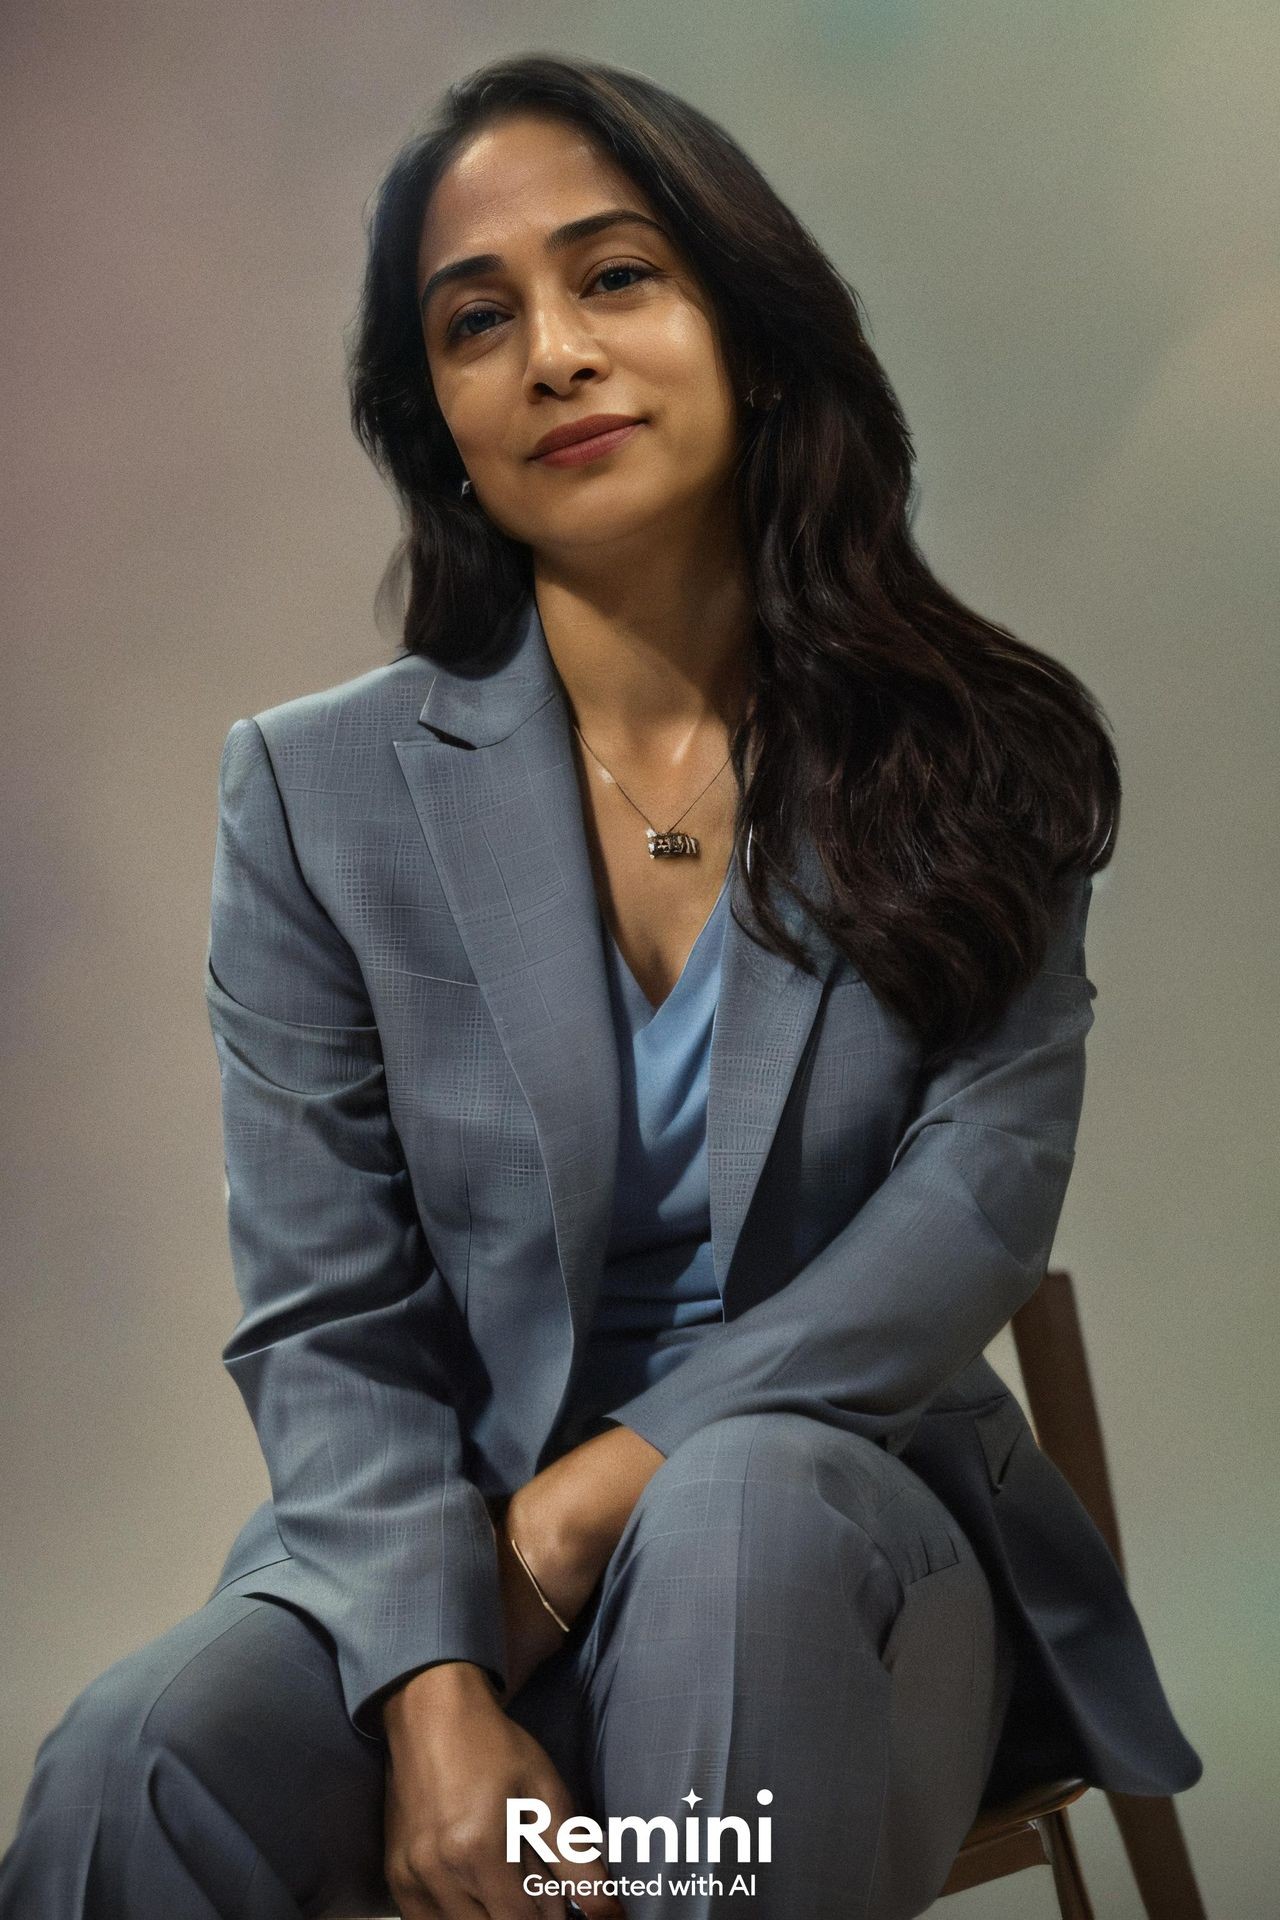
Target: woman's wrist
{"x":544,"y":1557}
{"x":569,"y":1518}
{"x":547,"y":1606}
{"x":445,"y":1687}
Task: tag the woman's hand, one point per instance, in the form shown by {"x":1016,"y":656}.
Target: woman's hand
{"x":454,"y":1760}
{"x":455,"y":1757}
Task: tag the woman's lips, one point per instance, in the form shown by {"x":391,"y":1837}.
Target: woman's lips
{"x":580,"y":451}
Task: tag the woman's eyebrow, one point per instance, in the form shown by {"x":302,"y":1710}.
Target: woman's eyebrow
{"x":556,"y":242}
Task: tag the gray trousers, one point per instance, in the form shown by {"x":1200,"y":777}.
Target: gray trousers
{"x":789,"y":1609}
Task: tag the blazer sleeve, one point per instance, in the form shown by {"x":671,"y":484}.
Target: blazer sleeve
{"x":340,"y":1352}
{"x":938,"y":1258}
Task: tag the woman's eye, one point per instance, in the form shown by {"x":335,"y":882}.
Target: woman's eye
{"x":454,"y":331}
{"x":623,"y":266}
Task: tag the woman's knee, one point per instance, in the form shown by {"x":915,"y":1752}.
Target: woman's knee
{"x":112,"y":1726}
{"x":823,"y":1510}
{"x":776,"y":1469}
{"x":238,"y":1683}
{"x":728,"y":1455}
{"x":221,"y":1745}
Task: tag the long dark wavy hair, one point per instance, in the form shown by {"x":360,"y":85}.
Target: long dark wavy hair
{"x":950,"y":777}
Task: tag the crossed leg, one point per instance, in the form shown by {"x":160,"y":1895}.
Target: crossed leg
{"x":792,"y":1609}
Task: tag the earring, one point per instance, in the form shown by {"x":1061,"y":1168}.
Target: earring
{"x":465,"y":488}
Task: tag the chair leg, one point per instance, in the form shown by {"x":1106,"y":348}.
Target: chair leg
{"x":1068,"y":1880}
{"x":1153,"y":1840}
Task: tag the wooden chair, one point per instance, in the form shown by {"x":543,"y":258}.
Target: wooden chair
{"x":1032,"y":1830}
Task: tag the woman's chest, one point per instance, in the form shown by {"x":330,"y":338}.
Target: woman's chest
{"x":654,"y":906}
{"x":501,"y":1056}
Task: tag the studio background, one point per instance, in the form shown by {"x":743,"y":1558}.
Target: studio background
{"x":1057,"y":220}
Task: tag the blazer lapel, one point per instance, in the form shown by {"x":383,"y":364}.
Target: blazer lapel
{"x":493,"y":780}
{"x":763,"y":1020}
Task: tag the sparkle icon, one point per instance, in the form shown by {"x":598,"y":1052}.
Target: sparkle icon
{"x":691,"y":1798}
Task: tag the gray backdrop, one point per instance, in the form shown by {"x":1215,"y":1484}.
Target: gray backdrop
{"x":1057,"y":220}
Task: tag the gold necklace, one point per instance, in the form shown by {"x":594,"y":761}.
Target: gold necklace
{"x":660,"y":842}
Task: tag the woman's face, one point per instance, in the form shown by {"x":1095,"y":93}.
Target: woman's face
{"x":554,"y":328}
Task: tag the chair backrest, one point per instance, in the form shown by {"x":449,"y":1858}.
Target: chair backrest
{"x":1035,"y":1828}
{"x":1049,"y":1341}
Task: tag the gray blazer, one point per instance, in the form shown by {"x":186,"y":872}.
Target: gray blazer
{"x":407,"y":990}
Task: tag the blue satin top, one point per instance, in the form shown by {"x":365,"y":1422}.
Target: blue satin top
{"x":658,"y":1289}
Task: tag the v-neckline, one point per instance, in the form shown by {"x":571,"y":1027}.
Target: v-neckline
{"x":654,"y":1011}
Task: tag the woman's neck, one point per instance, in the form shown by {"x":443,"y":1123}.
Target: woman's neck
{"x":652,"y":673}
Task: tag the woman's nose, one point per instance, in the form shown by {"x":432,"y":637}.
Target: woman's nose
{"x":561,"y":345}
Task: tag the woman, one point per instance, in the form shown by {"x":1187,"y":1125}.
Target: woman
{"x":651,"y":1017}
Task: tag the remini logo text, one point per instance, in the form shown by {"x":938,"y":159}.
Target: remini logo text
{"x":691,"y":1840}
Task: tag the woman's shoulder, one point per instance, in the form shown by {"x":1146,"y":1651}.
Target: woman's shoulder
{"x":370,"y":709}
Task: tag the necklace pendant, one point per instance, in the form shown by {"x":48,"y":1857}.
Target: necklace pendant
{"x":670,"y":843}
